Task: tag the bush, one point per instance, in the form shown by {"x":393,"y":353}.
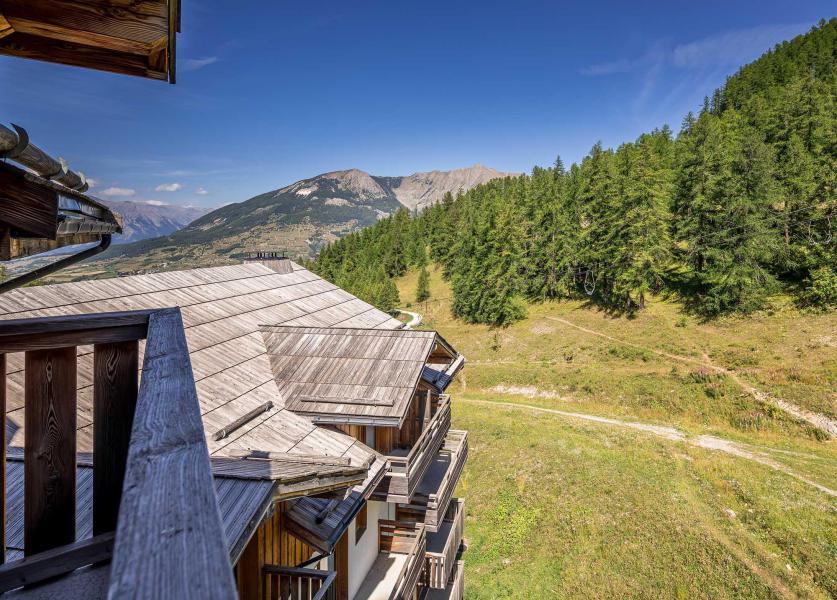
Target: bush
{"x":821,"y":288}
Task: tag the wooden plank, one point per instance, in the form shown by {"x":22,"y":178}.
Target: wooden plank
{"x":50,"y":450}
{"x":57,"y":561}
{"x":170,"y":542}
{"x":138,"y":20}
{"x":341,"y":562}
{"x":3,"y":458}
{"x":26,"y":205}
{"x":25,"y":45}
{"x":115,"y":385}
{"x":72,"y":330}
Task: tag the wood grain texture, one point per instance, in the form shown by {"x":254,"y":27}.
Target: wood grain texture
{"x":3,"y":459}
{"x":115,"y":386}
{"x":50,"y":450}
{"x":170,"y":542}
{"x":108,"y":35}
{"x":42,"y":566}
{"x":24,"y":45}
{"x":72,"y":330}
{"x":26,"y":205}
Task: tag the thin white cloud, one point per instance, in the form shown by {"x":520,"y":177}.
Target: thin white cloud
{"x":727,"y":49}
{"x":193,"y":64}
{"x":733,"y":48}
{"x":201,"y":191}
{"x":154,"y":202}
{"x":623,"y":65}
{"x":168,"y":187}
{"x":118,"y":191}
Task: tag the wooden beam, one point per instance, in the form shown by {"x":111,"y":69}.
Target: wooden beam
{"x":25,"y":45}
{"x":3,"y":458}
{"x":57,"y":561}
{"x":170,"y":542}
{"x":5,"y":27}
{"x":115,"y":381}
{"x":50,"y":450}
{"x":73,"y":330}
{"x":26,"y":205}
{"x":138,"y":21}
{"x":20,"y":247}
{"x":62,"y":33}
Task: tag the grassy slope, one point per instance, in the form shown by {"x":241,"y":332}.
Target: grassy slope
{"x":563,"y":508}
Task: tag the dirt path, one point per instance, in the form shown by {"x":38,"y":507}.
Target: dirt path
{"x":708,"y":442}
{"x":818,"y":420}
{"x":415,"y":321}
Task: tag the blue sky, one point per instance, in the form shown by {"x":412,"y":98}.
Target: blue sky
{"x":274,"y":91}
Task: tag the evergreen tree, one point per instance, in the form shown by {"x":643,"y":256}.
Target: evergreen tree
{"x":423,"y":287}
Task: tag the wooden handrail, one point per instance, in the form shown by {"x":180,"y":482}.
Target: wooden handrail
{"x":443,"y":408}
{"x":299,"y":583}
{"x":152,"y":476}
{"x":441,"y":564}
{"x":458,"y":456}
{"x":427,"y":436}
{"x":170,"y":542}
{"x":411,"y":570}
{"x":20,"y":335}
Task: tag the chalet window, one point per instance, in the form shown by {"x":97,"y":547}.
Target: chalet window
{"x":360,"y":524}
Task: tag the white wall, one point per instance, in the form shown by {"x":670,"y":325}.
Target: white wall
{"x":364,"y":553}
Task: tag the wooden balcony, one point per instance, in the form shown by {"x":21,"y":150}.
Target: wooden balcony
{"x":154,"y":500}
{"x":287,"y":583}
{"x":454,"y":590}
{"x":397,"y":571}
{"x":433,"y":494}
{"x":407,"y":470}
{"x":443,"y":547}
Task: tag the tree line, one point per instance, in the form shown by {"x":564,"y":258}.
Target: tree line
{"x":736,"y":206}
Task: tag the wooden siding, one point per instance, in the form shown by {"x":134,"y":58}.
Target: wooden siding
{"x":272,"y":544}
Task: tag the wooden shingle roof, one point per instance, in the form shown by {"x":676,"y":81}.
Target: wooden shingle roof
{"x":222,"y":309}
{"x":350,"y":375}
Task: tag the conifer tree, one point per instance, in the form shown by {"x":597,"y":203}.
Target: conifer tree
{"x":423,"y":287}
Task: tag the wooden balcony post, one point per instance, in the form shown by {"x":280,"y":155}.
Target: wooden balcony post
{"x":115,"y":384}
{"x":3,"y":458}
{"x":50,"y":449}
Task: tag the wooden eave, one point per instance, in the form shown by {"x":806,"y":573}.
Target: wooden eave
{"x":131,"y":37}
{"x":321,"y":522}
{"x":37,"y":215}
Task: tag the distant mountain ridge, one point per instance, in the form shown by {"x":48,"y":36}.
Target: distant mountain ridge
{"x":303,"y":216}
{"x":142,"y":220}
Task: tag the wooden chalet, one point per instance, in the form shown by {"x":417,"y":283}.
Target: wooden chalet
{"x":298,"y":502}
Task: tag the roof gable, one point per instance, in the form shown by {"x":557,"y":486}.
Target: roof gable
{"x":350,"y":375}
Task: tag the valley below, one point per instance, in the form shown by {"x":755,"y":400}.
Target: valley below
{"x":629,"y":457}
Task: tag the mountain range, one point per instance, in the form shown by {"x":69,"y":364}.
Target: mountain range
{"x":299,"y":218}
{"x":141,"y":220}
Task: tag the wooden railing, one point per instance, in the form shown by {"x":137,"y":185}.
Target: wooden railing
{"x":456,"y":442}
{"x":286,"y":583}
{"x":409,"y":539}
{"x":152,"y":481}
{"x":456,"y":586}
{"x":440,"y":565}
{"x":405,"y":472}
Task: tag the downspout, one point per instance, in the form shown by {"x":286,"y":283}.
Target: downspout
{"x":56,"y":266}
